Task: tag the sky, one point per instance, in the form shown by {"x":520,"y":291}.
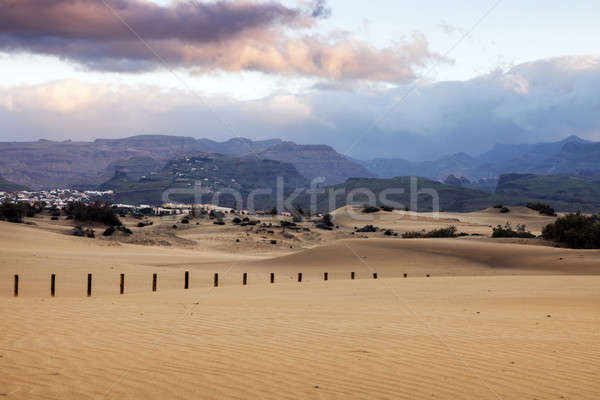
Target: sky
{"x":382,"y":78}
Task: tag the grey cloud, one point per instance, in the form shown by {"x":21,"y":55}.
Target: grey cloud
{"x":221,"y":35}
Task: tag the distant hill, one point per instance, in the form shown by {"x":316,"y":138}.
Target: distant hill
{"x":451,"y":198}
{"x":47,"y":164}
{"x":210,"y":172}
{"x":314,"y":161}
{"x":571,"y":155}
{"x":7,"y":186}
{"x":563,"y":192}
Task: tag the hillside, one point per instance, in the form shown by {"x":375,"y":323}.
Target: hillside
{"x":397,"y":192}
{"x":563,"y":192}
{"x":572,"y":155}
{"x":47,"y":164}
{"x":315,"y":161}
{"x":7,"y":186}
{"x":210,"y":173}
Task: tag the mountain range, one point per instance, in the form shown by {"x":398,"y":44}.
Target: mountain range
{"x":572,"y":155}
{"x":140,"y":168}
{"x":47,"y":164}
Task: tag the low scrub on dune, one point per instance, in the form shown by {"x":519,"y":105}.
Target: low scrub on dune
{"x":575,"y":230}
{"x":449,"y":232}
{"x":95,"y":212}
{"x":15,"y":212}
{"x":542,"y":208}
{"x":367,"y":209}
{"x":507,"y":231}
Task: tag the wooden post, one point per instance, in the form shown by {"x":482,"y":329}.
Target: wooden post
{"x":325,"y":276}
{"x":186,"y":284}
{"x":154,"y":277}
{"x":406,"y":275}
{"x":216,"y":279}
{"x":352,"y":275}
{"x":122,"y":284}
{"x":52,"y":285}
{"x":245,"y":279}
{"x":374,"y":275}
{"x":299,"y":276}
{"x":428,"y":275}
{"x":16,"y":285}
{"x":272,"y":277}
{"x":89,"y":285}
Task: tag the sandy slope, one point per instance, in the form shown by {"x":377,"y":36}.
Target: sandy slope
{"x":478,"y":328}
{"x":441,"y":338}
{"x":474,"y":222}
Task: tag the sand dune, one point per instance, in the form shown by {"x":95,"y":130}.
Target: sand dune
{"x":479,"y":222}
{"x":443,"y":338}
{"x":497,"y":319}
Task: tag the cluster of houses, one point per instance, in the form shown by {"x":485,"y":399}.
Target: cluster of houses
{"x":55,"y":198}
{"x":60,"y":198}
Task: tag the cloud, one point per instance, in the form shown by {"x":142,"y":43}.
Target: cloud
{"x":545,"y":100}
{"x":221,"y":35}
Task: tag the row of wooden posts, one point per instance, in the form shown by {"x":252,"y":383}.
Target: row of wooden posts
{"x":186,"y":284}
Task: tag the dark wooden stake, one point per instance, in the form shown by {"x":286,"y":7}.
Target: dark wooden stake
{"x":325,"y":276}
{"x":186,"y":285}
{"x":272,"y":277}
{"x":52,"y":285}
{"x":352,"y":275}
{"x":216,"y":280}
{"x":428,"y":275}
{"x":299,"y":276}
{"x":154,"y":277}
{"x":16,"y":285}
{"x":374,"y":275}
{"x":89,"y":286}
{"x":406,"y":275}
{"x":245,"y":279}
{"x":122,"y":284}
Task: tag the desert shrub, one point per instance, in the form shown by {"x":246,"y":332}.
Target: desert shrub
{"x":326,"y":221}
{"x":412,"y":235}
{"x":387,"y":209}
{"x":505,"y":210}
{"x":287,"y":224}
{"x":368,"y":228}
{"x":109,"y":231}
{"x":54,"y":218}
{"x":81,"y":232}
{"x":185,"y":221}
{"x":95,"y":212}
{"x":237,"y":220}
{"x":369,"y":209}
{"x":575,"y":230}
{"x":143,"y":224}
{"x":324,"y":227}
{"x":542,"y":208}
{"x":449,"y":232}
{"x":219,"y":222}
{"x":14,"y":212}
{"x":442,"y":232}
{"x":499,"y":206}
{"x":507,"y":231}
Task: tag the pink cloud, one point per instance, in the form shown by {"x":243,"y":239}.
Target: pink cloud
{"x":222,"y":35}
